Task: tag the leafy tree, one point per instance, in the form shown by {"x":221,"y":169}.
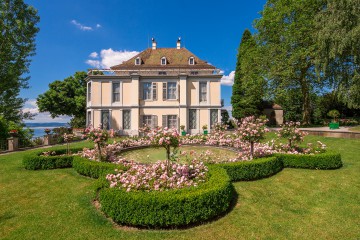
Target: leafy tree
{"x":224,"y":116}
{"x":248,"y":85}
{"x":17,"y":44}
{"x":67,"y":97}
{"x":338,"y":54}
{"x":287,"y":31}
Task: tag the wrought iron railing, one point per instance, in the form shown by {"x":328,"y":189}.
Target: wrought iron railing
{"x":3,"y":145}
{"x":152,"y":72}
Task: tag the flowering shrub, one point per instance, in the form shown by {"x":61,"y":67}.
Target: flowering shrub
{"x":99,"y":137}
{"x":252,"y":130}
{"x":156,"y":177}
{"x":290,"y":131}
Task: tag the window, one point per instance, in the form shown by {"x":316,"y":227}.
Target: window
{"x":192,"y":118}
{"x":89,"y":118}
{"x":137,"y":61}
{"x":147,"y":91}
{"x":116,"y":92}
{"x":163,"y":61}
{"x":170,"y":121}
{"x":171,"y":90}
{"x":154,"y":91}
{"x":162,"y":73}
{"x":191,"y":61}
{"x":105,"y":120}
{"x":194,"y":73}
{"x":126,"y":119}
{"x":149,"y":120}
{"x":89,"y":92}
{"x":203,"y":91}
{"x":213,"y":117}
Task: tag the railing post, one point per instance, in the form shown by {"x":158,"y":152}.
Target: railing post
{"x":47,"y":139}
{"x":13,"y":143}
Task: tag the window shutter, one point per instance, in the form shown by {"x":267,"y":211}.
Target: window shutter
{"x":141,"y":87}
{"x":154,"y":121}
{"x":164,"y":121}
{"x":177,"y":121}
{"x":178,"y":92}
{"x":164,"y":91}
{"x":154,"y":89}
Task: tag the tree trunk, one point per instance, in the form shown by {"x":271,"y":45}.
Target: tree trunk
{"x":99,"y":150}
{"x":251,"y":150}
{"x":167,"y":160}
{"x":305,"y":90}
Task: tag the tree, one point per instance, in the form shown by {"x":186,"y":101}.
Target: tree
{"x":338,"y":55}
{"x":67,"y":97}
{"x":17,"y":44}
{"x":287,"y":32}
{"x":248,"y":88}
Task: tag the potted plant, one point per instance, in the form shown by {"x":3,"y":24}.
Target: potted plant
{"x":183,"y":133}
{"x":47,"y":131}
{"x":205,"y":129}
{"x":334,"y":114}
{"x":13,"y":132}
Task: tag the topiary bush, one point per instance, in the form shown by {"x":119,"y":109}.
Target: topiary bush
{"x":318,"y":161}
{"x":35,"y":161}
{"x":94,"y":169}
{"x":252,"y":170}
{"x":173,"y":208}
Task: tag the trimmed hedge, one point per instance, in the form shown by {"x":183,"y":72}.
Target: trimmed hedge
{"x":317,"y":161}
{"x":172,"y":208}
{"x":252,"y":170}
{"x":94,"y":169}
{"x":33,"y":160}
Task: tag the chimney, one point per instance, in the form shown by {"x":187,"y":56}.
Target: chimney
{"x":153,"y":43}
{"x":178,"y":43}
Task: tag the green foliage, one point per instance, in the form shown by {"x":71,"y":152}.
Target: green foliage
{"x":33,"y":160}
{"x":24,"y":134}
{"x":334,"y":114}
{"x":17,"y":44}
{"x":252,"y":170}
{"x":94,"y":169}
{"x":224,"y":116}
{"x":248,"y":88}
{"x":317,"y":161}
{"x":67,"y":97}
{"x":338,"y":55}
{"x":169,"y":208}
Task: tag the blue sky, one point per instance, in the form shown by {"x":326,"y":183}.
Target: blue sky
{"x":106,"y":32}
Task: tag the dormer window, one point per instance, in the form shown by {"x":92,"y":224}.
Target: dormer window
{"x":163,"y":61}
{"x":191,"y":61}
{"x":137,"y":61}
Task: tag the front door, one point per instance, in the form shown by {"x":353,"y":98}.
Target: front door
{"x":105,"y":120}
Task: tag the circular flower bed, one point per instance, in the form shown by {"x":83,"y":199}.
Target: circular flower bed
{"x":170,"y":208}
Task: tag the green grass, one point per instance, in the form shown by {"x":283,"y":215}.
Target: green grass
{"x":293,"y":204}
{"x":151,"y":155}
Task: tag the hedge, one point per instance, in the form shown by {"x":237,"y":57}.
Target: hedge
{"x":171,"y":208}
{"x":94,"y":169}
{"x":34,"y":161}
{"x":318,"y":161}
{"x":252,"y":170}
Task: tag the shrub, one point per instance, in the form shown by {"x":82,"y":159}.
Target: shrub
{"x":94,"y":169}
{"x":35,"y":161}
{"x":317,"y":161}
{"x":252,"y":170}
{"x":168,"y":208}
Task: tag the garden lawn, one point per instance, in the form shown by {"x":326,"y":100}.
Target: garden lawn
{"x":293,"y":204}
{"x":152,"y":154}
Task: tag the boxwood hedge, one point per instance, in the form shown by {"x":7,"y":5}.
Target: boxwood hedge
{"x":34,"y":161}
{"x":252,"y":170}
{"x":94,"y":169}
{"x":318,"y":161}
{"x":169,"y":208}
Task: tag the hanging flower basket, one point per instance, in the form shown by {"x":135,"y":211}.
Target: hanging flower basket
{"x":13,"y":133}
{"x":47,"y":130}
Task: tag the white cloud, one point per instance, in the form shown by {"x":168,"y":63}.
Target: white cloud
{"x":81,"y":26}
{"x":94,"y":55}
{"x":111,"y":58}
{"x":31,"y":106}
{"x":98,"y":26}
{"x":228,"y":80}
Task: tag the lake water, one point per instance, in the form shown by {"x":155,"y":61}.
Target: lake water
{"x":39,"y":128}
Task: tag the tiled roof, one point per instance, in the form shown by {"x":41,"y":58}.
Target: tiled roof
{"x":176,"y":58}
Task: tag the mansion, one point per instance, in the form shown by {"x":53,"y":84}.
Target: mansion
{"x":166,"y":87}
